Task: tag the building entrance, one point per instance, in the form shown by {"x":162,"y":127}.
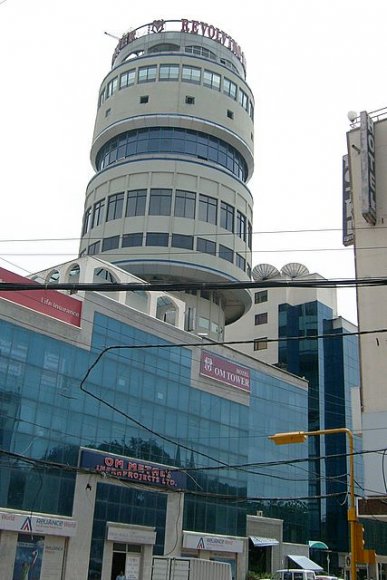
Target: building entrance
{"x":126,"y":561}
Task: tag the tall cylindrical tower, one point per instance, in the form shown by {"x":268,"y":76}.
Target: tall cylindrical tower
{"x":173,"y":151}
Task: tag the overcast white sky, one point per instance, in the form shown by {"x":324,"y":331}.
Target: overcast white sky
{"x":308,"y":63}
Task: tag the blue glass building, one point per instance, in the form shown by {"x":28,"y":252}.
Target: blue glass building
{"x":154,"y":404}
{"x":331,"y":366}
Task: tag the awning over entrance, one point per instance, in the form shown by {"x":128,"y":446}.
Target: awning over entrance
{"x":260,"y":542}
{"x":318,"y":545}
{"x":305,"y":563}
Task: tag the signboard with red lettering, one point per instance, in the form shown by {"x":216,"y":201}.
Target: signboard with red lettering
{"x":133,"y":470}
{"x":224,"y":371}
{"x":49,"y":302}
{"x":197,"y":27}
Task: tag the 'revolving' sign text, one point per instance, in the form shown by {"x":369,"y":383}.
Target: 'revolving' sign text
{"x":190,"y":26}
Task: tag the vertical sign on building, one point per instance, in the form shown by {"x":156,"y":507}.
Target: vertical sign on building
{"x":347,"y":204}
{"x":368,"y":182}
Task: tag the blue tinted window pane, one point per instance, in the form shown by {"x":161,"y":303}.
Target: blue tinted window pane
{"x":226,"y":253}
{"x":160,"y":202}
{"x":185,"y":202}
{"x":136,"y":202}
{"x":182,"y":241}
{"x":208,"y":208}
{"x":177,"y":140}
{"x":110,"y":243}
{"x":131,"y":240}
{"x":156,"y":239}
{"x":206,"y":246}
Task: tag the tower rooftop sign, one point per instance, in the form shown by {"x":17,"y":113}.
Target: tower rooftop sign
{"x":183,"y":25}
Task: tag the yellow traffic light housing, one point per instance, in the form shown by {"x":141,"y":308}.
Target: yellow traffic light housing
{"x":363,"y":556}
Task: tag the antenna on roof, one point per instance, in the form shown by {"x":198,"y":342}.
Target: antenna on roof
{"x":112,"y":35}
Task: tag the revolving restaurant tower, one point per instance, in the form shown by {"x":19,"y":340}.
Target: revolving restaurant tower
{"x":173,"y":151}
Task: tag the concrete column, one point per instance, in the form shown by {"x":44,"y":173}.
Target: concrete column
{"x":147,"y":559}
{"x":78,"y":552}
{"x":174,"y":525}
{"x":8,"y":542}
{"x":107,"y":560}
{"x":242,"y":560}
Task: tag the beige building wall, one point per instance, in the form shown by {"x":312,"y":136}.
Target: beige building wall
{"x":370,"y":243}
{"x":209,"y":105}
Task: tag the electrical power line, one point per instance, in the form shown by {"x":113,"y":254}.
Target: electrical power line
{"x":76,"y":469}
{"x":192,"y":286}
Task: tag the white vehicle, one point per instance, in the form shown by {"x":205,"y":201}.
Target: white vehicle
{"x":296,"y":574}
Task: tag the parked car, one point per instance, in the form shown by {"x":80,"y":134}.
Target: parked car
{"x":294,"y":574}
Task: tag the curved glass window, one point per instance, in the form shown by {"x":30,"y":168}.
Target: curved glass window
{"x":208,"y":209}
{"x":227,"y":216}
{"x":157,"y":239}
{"x":110,"y":243}
{"x":172,"y":140}
{"x":132,"y":240}
{"x":191,"y":74}
{"x":98,"y":213}
{"x":93,"y":249}
{"x":133,"y":55}
{"x":128,"y":78}
{"x":105,"y":275}
{"x":200,"y":51}
{"x":160,"y":201}
{"x":53,"y":278}
{"x":164,"y":48}
{"x":169,"y":72}
{"x":241,"y":262}
{"x":229,"y":64}
{"x":211,"y":80}
{"x":74,"y":273}
{"x":226,"y":253}
{"x":182,"y":241}
{"x":114,"y":207}
{"x":147,"y":74}
{"x":230,"y":88}
{"x":86,"y":221}
{"x":136,"y":202}
{"x":185,"y":202}
{"x":241,"y":226}
{"x":206,"y":246}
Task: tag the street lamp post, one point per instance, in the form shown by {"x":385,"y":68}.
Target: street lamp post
{"x":300,"y":437}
